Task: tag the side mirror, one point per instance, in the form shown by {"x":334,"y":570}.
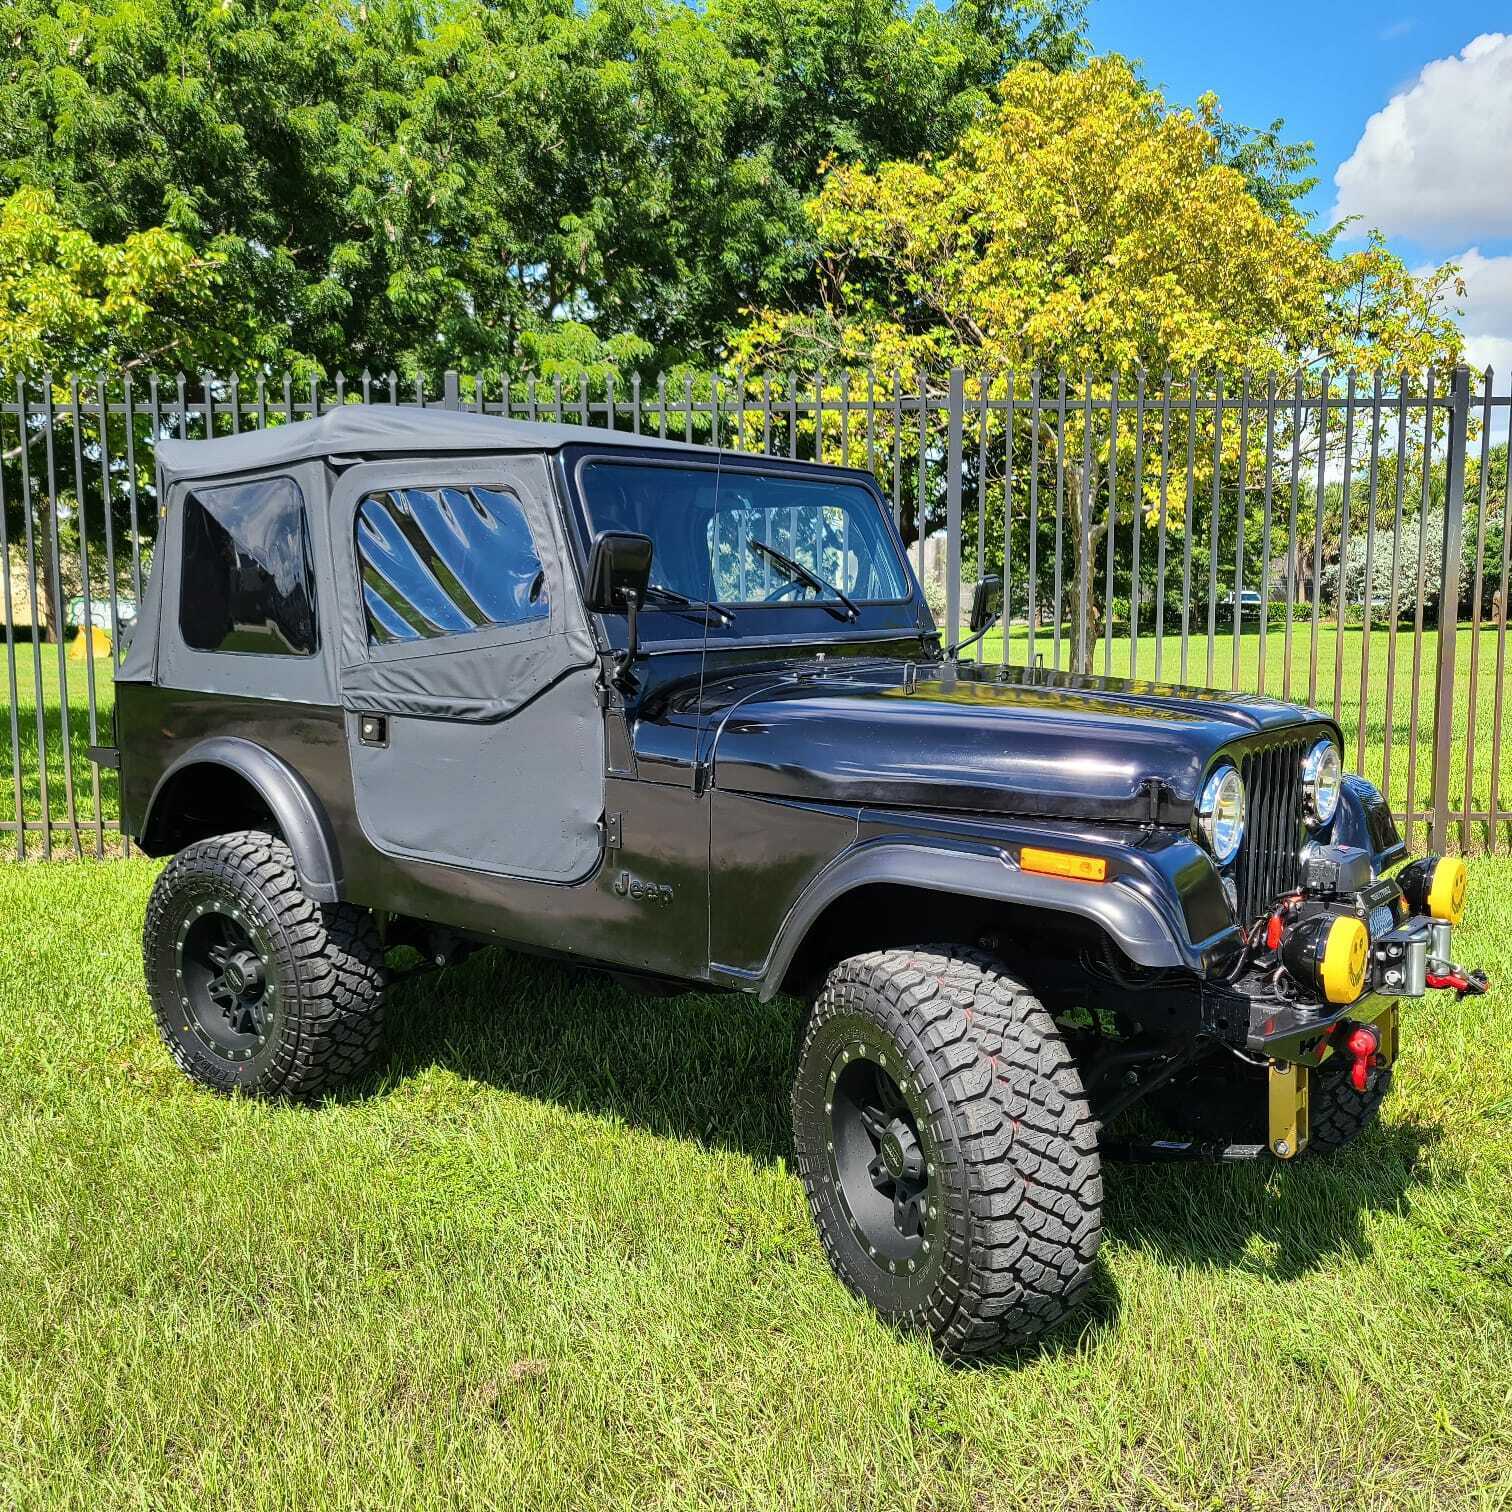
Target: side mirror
{"x":619,"y":568}
{"x":986,"y":603}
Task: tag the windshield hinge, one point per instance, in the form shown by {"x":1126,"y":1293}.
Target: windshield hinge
{"x":1154,"y":787}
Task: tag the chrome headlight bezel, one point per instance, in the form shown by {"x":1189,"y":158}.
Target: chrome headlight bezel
{"x":1322,"y":782}
{"x":1221,"y":813}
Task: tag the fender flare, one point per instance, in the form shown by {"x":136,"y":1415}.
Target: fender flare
{"x":1128,"y":915}
{"x":301,"y":819}
{"x":1365,"y":820}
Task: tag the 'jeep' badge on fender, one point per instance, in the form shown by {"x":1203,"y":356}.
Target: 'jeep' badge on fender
{"x":628,"y":886}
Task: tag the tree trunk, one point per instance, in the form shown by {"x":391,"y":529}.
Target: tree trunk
{"x":1082,"y":607}
{"x":50,"y":612}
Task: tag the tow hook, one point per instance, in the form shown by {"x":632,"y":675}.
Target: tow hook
{"x":1363,"y":1046}
{"x":1464,"y":982}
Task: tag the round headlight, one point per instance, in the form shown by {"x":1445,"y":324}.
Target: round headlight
{"x":1220,"y":814}
{"x":1322,"y":774}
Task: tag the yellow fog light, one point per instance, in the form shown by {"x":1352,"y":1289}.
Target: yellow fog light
{"x":1330,"y":953}
{"x":1346,"y":949}
{"x":1446,"y":890}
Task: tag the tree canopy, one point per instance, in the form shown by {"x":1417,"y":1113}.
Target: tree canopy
{"x":422,"y":183}
{"x":1082,"y":224}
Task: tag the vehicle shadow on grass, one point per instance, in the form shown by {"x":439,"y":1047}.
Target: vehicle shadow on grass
{"x":1280,"y":1221}
{"x":713,"y":1069}
{"x":706,"y":1067}
{"x":716,"y":1070}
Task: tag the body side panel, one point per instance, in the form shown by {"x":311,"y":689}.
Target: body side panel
{"x":665,"y":830}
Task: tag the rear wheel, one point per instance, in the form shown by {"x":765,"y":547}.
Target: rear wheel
{"x":946,"y":1147}
{"x":256,"y":988}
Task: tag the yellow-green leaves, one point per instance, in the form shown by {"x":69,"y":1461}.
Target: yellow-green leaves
{"x":70,"y":303}
{"x":1083,"y":224}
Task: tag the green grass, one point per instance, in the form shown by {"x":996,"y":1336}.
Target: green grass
{"x":83,"y":774}
{"x":1368,"y":757}
{"x":556,"y":1258}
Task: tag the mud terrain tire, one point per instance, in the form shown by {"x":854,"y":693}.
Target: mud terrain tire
{"x":255,"y":988}
{"x":947,"y":1149}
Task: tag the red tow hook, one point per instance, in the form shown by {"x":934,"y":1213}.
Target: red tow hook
{"x":1464,"y":983}
{"x":1364,"y":1045}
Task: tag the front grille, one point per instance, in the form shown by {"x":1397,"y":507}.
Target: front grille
{"x":1269,"y":863}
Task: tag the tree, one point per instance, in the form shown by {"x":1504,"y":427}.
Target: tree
{"x":432,"y":183}
{"x":71,"y":304}
{"x":1084,"y":227}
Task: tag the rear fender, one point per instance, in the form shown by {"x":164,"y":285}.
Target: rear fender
{"x":295,"y":809}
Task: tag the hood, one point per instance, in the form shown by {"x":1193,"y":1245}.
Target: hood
{"x":1016,"y":742}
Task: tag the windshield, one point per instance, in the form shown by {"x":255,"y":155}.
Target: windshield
{"x":723,"y":536}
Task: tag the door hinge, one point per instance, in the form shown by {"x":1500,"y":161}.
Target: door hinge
{"x":614,"y":835}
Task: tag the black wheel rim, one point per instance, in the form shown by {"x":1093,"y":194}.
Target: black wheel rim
{"x":226,"y":982}
{"x":881,"y":1158}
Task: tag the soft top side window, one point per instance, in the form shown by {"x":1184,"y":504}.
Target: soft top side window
{"x":248,"y":585}
{"x":446,"y":561}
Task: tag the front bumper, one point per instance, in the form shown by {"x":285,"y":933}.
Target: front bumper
{"x":1296,"y":1037}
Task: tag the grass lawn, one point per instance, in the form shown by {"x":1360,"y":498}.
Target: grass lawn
{"x":84,"y":774}
{"x":557,"y":1258}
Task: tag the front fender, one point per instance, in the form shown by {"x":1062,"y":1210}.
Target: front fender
{"x":1365,"y":820}
{"x":1146,"y":904}
{"x":295,"y":809}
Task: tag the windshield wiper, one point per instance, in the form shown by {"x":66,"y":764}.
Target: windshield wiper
{"x":676,"y":601}
{"x":812,"y":579}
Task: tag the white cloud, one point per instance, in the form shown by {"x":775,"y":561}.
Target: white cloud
{"x":1487,"y":320}
{"x":1436,"y":162}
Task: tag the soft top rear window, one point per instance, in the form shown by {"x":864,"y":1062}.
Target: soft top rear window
{"x":248,"y":583}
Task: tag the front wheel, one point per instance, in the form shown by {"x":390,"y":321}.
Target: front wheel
{"x":256,"y":988}
{"x":945,"y":1143}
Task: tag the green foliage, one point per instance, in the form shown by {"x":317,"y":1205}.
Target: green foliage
{"x":1419,"y":545}
{"x":446,"y":183}
{"x":73,"y":305}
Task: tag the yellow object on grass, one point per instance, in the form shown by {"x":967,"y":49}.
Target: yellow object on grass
{"x":89,"y":643}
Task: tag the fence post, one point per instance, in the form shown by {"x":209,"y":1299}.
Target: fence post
{"x":954,"y":462}
{"x":451,"y":390}
{"x":1448,"y":605}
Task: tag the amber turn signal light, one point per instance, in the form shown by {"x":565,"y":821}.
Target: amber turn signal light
{"x":1053,"y":863}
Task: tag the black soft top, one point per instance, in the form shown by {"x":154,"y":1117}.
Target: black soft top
{"x":370,"y":430}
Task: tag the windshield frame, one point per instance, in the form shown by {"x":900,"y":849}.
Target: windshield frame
{"x":751,"y":622}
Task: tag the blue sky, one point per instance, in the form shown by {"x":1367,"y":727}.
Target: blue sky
{"x":1410,"y":109}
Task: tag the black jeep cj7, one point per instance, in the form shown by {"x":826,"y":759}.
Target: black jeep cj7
{"x":429,"y":678}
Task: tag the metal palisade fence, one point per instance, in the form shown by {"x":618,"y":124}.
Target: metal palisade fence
{"x":1331,"y":539}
